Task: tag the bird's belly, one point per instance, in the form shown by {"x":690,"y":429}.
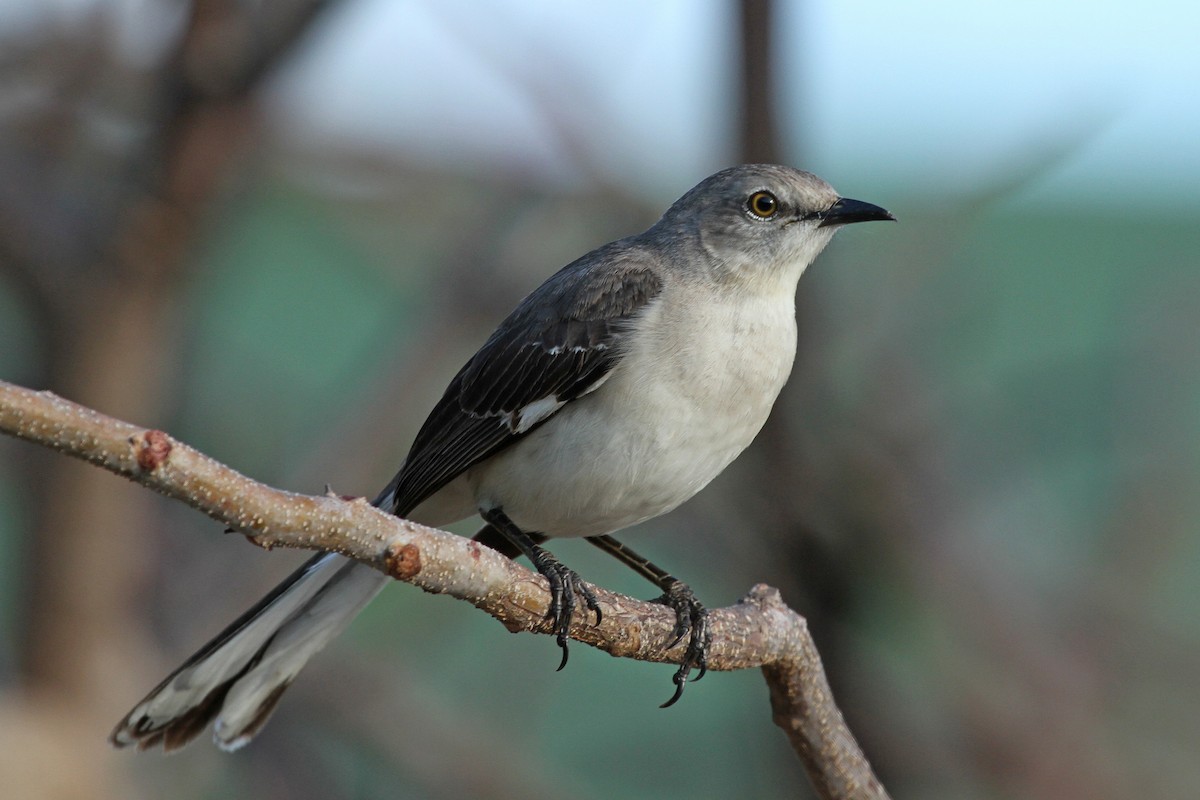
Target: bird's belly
{"x":638,"y":448}
{"x":567,"y":483}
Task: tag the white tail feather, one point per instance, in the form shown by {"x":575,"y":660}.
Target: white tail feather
{"x":239,"y":676}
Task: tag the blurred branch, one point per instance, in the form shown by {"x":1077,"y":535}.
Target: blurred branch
{"x":105,"y":298}
{"x":228,"y":48}
{"x":95,"y":231}
{"x":758,"y":632}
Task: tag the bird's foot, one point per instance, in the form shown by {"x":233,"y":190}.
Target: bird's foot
{"x":565,"y":584}
{"x":565,"y":587}
{"x":691,"y":620}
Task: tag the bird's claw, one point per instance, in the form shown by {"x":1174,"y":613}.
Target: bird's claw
{"x":565,"y":586}
{"x":691,"y":620}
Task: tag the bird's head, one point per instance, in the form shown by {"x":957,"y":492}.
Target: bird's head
{"x":761,"y":222}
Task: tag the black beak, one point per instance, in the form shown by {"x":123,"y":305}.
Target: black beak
{"x":845,"y":211}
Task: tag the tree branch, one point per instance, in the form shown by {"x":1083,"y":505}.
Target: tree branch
{"x":760,"y":631}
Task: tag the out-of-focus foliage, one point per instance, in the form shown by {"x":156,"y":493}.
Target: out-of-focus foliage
{"x":984,"y":465}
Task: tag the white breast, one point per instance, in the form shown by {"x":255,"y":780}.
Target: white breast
{"x":687,"y":398}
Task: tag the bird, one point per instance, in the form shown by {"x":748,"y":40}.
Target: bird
{"x":614,"y":392}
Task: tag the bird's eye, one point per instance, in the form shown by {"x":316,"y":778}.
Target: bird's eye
{"x":763,"y":205}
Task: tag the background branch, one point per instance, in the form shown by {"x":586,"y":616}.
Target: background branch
{"x":98,"y":240}
{"x":760,"y":631}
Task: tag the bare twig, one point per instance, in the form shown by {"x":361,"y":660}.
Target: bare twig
{"x":760,"y":631}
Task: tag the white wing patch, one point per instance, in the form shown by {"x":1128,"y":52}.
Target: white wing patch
{"x":525,"y":418}
{"x":531,"y":414}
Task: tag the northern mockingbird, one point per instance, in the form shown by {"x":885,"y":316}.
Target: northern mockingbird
{"x":614,"y":392}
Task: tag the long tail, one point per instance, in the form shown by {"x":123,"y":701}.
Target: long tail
{"x":239,"y":676}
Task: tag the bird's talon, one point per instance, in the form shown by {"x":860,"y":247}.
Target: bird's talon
{"x":562,"y":642}
{"x":679,"y":684}
{"x":565,"y":587}
{"x":691,"y":621}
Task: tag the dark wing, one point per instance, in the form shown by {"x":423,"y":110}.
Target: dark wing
{"x":559,"y":344}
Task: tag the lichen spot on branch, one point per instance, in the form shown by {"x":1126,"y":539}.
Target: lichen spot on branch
{"x":403,"y":562}
{"x":151,"y":449}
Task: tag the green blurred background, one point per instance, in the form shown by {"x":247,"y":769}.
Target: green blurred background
{"x":277,"y":229}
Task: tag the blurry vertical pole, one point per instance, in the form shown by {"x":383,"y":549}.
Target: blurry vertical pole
{"x":758,"y":136}
{"x":776,"y":450}
{"x":816,"y":581}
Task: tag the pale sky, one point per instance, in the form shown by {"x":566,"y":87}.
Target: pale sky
{"x":940,"y":93}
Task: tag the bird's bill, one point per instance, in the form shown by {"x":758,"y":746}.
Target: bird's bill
{"x":845,"y":211}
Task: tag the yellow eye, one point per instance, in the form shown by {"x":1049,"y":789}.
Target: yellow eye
{"x":763,"y":205}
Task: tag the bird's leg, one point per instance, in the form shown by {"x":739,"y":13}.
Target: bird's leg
{"x":691,"y":617}
{"x":565,"y":583}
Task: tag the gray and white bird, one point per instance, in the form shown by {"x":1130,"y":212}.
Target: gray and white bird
{"x":614,"y":392}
